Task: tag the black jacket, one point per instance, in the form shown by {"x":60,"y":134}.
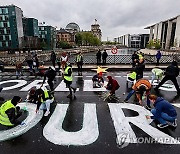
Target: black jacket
{"x":172,"y":70}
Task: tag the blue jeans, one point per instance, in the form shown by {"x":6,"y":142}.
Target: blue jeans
{"x":132,"y":92}
{"x":163,"y":118}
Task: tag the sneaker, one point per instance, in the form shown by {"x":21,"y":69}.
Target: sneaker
{"x":174,"y":123}
{"x":125,"y":101}
{"x":148,"y":107}
{"x":46,"y":113}
{"x":162,"y":125}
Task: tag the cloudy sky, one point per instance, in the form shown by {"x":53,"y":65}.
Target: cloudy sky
{"x":116,"y":17}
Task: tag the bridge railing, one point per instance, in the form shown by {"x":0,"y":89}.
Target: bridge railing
{"x":91,"y":59}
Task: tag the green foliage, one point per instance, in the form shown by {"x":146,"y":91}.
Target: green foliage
{"x":43,"y":45}
{"x":64,"y":45}
{"x":87,"y":38}
{"x":154,"y":44}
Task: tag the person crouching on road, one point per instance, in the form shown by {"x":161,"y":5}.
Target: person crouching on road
{"x":98,"y":80}
{"x":163,"y":112}
{"x":9,"y":112}
{"x":31,"y":96}
{"x":68,"y":78}
{"x":112,"y":85}
{"x":44,"y":99}
{"x":140,"y":87}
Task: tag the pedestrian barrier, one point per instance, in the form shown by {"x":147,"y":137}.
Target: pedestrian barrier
{"x":91,"y":59}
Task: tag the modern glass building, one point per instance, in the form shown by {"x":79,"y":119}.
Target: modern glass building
{"x":47,"y":35}
{"x":11,"y":28}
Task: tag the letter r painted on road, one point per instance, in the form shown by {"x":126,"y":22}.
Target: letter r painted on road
{"x":122,"y":125}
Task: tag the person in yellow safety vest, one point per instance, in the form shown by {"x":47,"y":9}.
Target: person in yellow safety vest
{"x":141,"y":55}
{"x":79,"y":62}
{"x":157,"y":74}
{"x":44,"y":99}
{"x":68,"y":78}
{"x":132,"y":76}
{"x":9,"y":112}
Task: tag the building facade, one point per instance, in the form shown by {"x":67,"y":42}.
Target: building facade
{"x":66,"y":36}
{"x":31,"y":34}
{"x":133,"y":41}
{"x":166,"y":32}
{"x":95,"y":29}
{"x":47,"y":35}
{"x":11,"y":28}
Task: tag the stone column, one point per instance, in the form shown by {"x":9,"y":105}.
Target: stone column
{"x":151,"y":33}
{"x":168,"y":37}
{"x":177,"y":32}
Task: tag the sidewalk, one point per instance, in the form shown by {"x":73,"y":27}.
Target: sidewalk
{"x":86,"y":67}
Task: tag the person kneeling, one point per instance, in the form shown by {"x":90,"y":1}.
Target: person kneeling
{"x":98,"y":80}
{"x":44,"y":99}
{"x":9,"y":112}
{"x":163,"y":112}
{"x":112,"y":85}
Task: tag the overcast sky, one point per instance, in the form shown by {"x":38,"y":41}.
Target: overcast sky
{"x":116,"y":17}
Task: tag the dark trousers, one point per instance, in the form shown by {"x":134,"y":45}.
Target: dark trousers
{"x":172,"y":78}
{"x":139,"y":76}
{"x":157,"y":64}
{"x":50,"y":82}
{"x":98,"y":61}
{"x":68,"y":85}
{"x":54,"y":63}
{"x":79,"y":65}
{"x":104,"y":61}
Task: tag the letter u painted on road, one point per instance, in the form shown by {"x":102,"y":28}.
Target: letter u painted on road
{"x":89,"y":133}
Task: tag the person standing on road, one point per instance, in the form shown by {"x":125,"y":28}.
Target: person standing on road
{"x":140,"y":87}
{"x":163,"y":112}
{"x":158,"y":57}
{"x":68,"y":78}
{"x":18,"y":69}
{"x":53,"y":58}
{"x":98,"y":57}
{"x":135,"y":58}
{"x":172,"y":71}
{"x":139,"y":69}
{"x":50,"y":74}
{"x":9,"y":112}
{"x":79,"y":62}
{"x":64,"y":60}
{"x":104,"y":56}
{"x":29,"y":61}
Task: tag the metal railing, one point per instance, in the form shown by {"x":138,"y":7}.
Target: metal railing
{"x":91,"y":59}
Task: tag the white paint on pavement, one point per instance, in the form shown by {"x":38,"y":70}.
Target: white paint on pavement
{"x":166,"y":86}
{"x":89,"y":133}
{"x":121,"y":124}
{"x":32,"y":119}
{"x":88,"y":86}
{"x":177,"y":105}
{"x":62,"y":87}
{"x":35,"y":83}
{"x":20,"y":83}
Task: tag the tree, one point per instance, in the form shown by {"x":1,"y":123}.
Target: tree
{"x":64,"y":45}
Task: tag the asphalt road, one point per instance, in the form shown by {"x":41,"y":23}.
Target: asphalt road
{"x":106,"y":142}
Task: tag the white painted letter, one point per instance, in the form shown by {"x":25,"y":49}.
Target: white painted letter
{"x":20,"y":84}
{"x":122,"y":126}
{"x":36,"y":84}
{"x":89,"y":133}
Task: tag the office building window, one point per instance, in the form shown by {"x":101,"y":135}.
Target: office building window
{"x":4,"y":38}
{"x":1,"y":31}
{"x":5,"y":24}
{"x":1,"y":37}
{"x":3,"y":44}
{"x":8,"y":31}
{"x":7,"y":44}
{"x":7,"y":37}
{"x":1,"y":24}
{"x":6,"y":18}
{"x":1,"y":18}
{"x":0,"y":44}
{"x":0,"y":10}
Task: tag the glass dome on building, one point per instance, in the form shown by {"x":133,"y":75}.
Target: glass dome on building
{"x":73,"y":27}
